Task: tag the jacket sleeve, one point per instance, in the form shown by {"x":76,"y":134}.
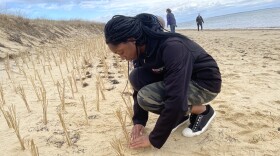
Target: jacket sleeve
{"x":178,"y":63}
{"x":140,"y":116}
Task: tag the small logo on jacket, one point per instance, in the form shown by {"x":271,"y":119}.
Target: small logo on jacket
{"x":158,"y":70}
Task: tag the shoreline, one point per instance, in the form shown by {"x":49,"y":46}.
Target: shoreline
{"x":232,"y":29}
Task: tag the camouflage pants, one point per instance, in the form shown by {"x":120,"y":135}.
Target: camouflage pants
{"x":151,"y":96}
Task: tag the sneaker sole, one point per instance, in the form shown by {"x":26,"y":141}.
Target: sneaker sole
{"x":187,"y":132}
{"x":181,"y":124}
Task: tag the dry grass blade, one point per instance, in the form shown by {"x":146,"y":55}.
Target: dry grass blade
{"x":2,"y":100}
{"x":61,"y":93}
{"x":44,"y":105}
{"x":122,"y":121}
{"x":97,"y":96}
{"x":117,"y":145}
{"x":66,"y":63}
{"x":25,"y":75}
{"x":54,"y":58}
{"x":17,"y":64}
{"x":35,"y":88}
{"x":80,"y":76}
{"x":11,"y":115}
{"x":85,"y":109}
{"x":60,"y":72}
{"x":128,"y":107}
{"x":34,"y":149}
{"x":65,"y":129}
{"x":5,"y":114}
{"x":101,"y":80}
{"x":49,"y":60}
{"x":7,"y":67}
{"x":102,"y":93}
{"x":33,"y":64}
{"x":44,"y":66}
{"x":101,"y":87}
{"x":24,"y":59}
{"x":41,"y":81}
{"x":23,"y":96}
{"x":71,"y":85}
{"x":51,"y":75}
{"x":75,"y":82}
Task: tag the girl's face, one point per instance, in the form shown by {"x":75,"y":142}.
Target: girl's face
{"x":126,"y":50}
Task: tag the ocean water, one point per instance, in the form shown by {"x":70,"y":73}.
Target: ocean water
{"x":265,"y":18}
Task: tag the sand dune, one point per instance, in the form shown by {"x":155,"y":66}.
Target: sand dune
{"x":248,"y":115}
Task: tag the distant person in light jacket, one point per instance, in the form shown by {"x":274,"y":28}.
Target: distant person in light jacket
{"x":199,"y":21}
{"x":171,"y":20}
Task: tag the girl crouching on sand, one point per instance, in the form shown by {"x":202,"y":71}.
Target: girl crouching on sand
{"x":173,"y":77}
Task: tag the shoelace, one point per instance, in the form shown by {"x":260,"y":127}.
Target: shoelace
{"x":197,"y":122}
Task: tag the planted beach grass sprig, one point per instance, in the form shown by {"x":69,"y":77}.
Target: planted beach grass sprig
{"x":61,"y":92}
{"x":22,"y":94}
{"x":11,"y":116}
{"x":85,"y":108}
{"x":23,"y":58}
{"x":118,"y":147}
{"x":44,"y":103}
{"x":54,"y":58}
{"x":7,"y":67}
{"x":65,"y":61}
{"x":49,"y":68}
{"x":2,"y":99}
{"x":74,"y":80}
{"x":71,"y":85}
{"x":35,"y":88}
{"x":101,"y":81}
{"x":41,"y":81}
{"x":33,"y":149}
{"x":68,"y":140}
{"x":60,"y":71}
{"x":17,"y":64}
{"x":49,"y":60}
{"x":5,"y":114}
{"x":122,"y":121}
{"x":100,"y":86}
{"x":97,"y":96}
{"x":128,"y":107}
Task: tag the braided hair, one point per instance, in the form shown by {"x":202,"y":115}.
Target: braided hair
{"x":141,"y":27}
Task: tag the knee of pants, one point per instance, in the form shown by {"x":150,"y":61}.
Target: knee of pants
{"x":141,"y":102}
{"x":147,"y":103}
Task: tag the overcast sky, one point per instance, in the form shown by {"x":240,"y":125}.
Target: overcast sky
{"x":103,"y":10}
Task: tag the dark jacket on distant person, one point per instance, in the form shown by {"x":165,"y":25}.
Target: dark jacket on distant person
{"x":170,"y":19}
{"x":199,"y":19}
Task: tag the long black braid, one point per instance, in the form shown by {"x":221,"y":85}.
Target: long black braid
{"x":141,"y":28}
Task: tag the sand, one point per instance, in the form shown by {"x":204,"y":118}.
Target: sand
{"x":248,"y":108}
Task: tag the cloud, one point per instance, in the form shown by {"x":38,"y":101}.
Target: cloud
{"x":53,"y":6}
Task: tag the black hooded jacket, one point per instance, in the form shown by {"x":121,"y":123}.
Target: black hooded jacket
{"x":182,"y":61}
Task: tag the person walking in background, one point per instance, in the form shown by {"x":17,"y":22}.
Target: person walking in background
{"x":171,"y":20}
{"x":173,"y":77}
{"x":199,"y":21}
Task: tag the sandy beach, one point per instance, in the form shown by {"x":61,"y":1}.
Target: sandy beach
{"x":70,"y":71}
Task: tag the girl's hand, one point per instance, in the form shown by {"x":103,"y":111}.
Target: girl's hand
{"x":137,"y":131}
{"x":140,"y":142}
